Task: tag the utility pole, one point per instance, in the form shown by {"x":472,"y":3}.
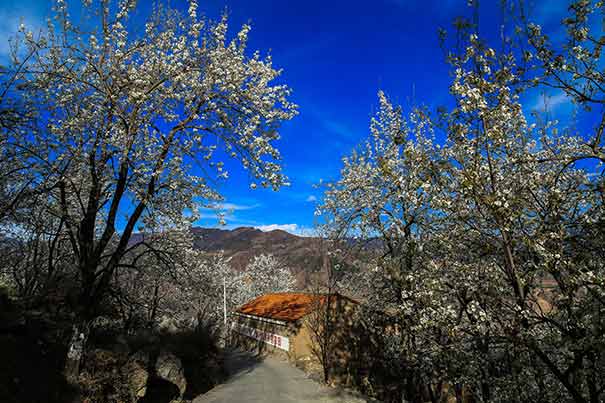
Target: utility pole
{"x":225,"y":300}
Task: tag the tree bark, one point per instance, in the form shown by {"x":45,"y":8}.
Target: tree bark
{"x":75,"y":351}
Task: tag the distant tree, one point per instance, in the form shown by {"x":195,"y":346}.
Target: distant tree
{"x":321,"y":319}
{"x":185,"y":287}
{"x":35,"y":254}
{"x":264,"y":274}
{"x":133,"y":116}
{"x":17,"y":116}
{"x":152,"y":277}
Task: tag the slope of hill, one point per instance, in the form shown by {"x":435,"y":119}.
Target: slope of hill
{"x":301,"y":254}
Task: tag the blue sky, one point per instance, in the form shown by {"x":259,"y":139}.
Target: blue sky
{"x":335,"y":55}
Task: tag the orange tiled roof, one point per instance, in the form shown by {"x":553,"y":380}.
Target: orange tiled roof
{"x":286,"y":306}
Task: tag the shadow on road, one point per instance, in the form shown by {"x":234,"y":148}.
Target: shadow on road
{"x":239,"y":362}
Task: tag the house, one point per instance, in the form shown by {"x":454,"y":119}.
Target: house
{"x":293,"y":325}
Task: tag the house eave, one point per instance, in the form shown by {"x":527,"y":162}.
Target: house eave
{"x":261,"y":318}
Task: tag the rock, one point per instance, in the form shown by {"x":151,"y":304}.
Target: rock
{"x":168,"y":325}
{"x":137,"y":375}
{"x":170,"y":368}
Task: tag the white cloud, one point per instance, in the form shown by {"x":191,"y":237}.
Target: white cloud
{"x":291,"y":228}
{"x":234,"y":206}
{"x":272,"y":227}
{"x":215,"y":215}
{"x":216,"y":212}
{"x":311,"y":198}
{"x":337,"y":127}
{"x":546,"y":102}
{"x":343,"y":130}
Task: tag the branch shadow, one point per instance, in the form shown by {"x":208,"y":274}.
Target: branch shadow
{"x":239,"y":362}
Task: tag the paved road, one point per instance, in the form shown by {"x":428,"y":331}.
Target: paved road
{"x":270,"y":380}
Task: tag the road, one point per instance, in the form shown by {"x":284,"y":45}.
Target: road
{"x":270,"y":380}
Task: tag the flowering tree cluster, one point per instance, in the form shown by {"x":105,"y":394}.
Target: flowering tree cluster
{"x":164,"y":278}
{"x":127,"y":120}
{"x":490,"y":278}
{"x":170,"y":280}
{"x":264,"y":274}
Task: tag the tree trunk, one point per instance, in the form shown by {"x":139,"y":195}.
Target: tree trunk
{"x":75,"y":351}
{"x":459,"y":391}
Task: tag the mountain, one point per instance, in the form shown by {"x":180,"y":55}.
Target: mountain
{"x":301,"y":254}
